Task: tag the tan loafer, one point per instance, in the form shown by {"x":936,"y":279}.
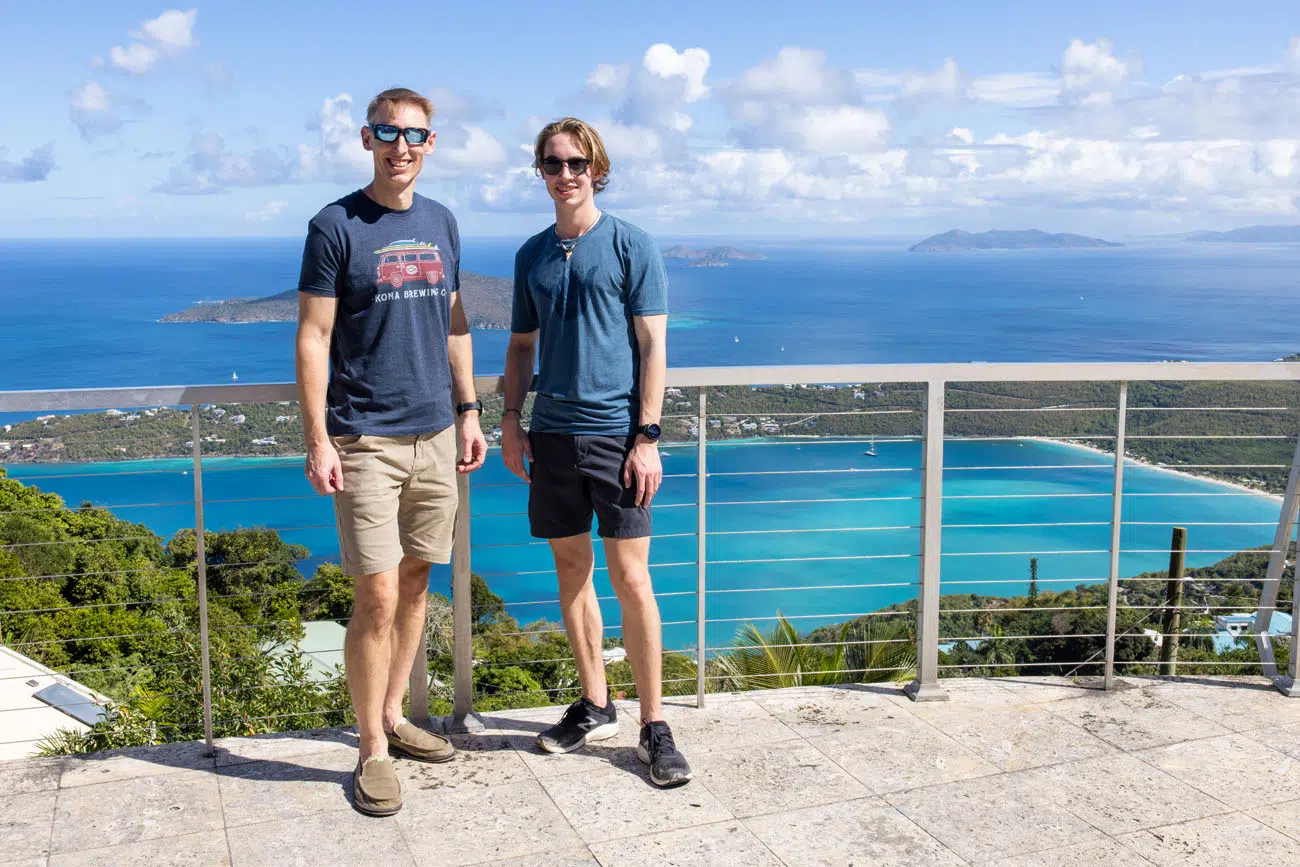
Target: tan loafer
{"x":414,"y":742}
{"x":375,"y":790}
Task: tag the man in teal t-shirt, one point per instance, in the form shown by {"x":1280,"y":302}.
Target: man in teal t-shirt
{"x":591,"y":298}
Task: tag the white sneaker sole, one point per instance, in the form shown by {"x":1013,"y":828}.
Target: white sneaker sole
{"x":600,"y":733}
{"x":645,"y":758}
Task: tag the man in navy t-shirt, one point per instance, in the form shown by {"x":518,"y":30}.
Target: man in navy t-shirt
{"x":591,"y":299}
{"x":383,"y":356}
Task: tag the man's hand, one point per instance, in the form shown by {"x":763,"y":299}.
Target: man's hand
{"x":644,"y":471}
{"x":473,"y":447}
{"x":324,"y":469}
{"x":515,"y":448}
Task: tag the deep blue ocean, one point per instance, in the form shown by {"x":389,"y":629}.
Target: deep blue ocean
{"x":82,"y":314}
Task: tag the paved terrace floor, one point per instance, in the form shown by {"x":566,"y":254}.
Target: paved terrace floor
{"x":1015,"y":772}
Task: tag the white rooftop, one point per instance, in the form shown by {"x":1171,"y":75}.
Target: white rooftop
{"x":27,"y":719}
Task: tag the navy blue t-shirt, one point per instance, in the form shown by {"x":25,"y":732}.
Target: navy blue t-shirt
{"x":589,"y":366}
{"x":393,"y":273}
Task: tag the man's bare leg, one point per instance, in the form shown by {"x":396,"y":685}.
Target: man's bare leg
{"x":629,"y":572}
{"x":367,"y":656}
{"x":408,"y":624}
{"x":574,"y":559}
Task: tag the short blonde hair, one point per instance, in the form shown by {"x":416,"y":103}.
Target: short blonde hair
{"x":588,"y":139}
{"x":395,"y":96}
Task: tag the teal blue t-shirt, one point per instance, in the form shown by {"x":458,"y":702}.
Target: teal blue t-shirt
{"x":589,"y":368}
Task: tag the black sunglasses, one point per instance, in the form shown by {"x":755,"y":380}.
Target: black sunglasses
{"x":388,"y":133}
{"x":577,"y":165}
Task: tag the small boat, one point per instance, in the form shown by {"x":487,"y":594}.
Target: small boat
{"x":871,"y":450}
{"x":234,"y":375}
{"x":735,"y":340}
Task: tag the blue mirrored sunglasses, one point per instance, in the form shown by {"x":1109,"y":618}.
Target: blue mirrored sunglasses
{"x":388,"y":133}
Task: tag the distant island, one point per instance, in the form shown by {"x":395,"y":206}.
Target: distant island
{"x":708,"y":257}
{"x":1251,"y":235}
{"x":1030,"y":239}
{"x":486,"y":300}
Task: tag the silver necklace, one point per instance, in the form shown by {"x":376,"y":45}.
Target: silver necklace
{"x":568,"y":244}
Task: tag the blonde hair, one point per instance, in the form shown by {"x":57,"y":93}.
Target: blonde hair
{"x":395,"y":96}
{"x":588,"y":140}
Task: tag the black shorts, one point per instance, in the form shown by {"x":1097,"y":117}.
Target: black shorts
{"x":574,"y":475}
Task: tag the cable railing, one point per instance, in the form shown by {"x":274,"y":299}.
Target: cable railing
{"x":913,"y":538}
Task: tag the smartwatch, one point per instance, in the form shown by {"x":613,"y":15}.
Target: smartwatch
{"x":475,"y":405}
{"x":650,"y":432}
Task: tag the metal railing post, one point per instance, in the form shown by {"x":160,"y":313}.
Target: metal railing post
{"x":201,"y":571}
{"x":462,"y":719}
{"x":701,"y":500}
{"x":926,"y":686}
{"x":1276,"y":566}
{"x":1287,"y":683}
{"x":1117,"y":502}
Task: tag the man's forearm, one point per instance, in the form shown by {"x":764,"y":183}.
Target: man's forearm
{"x":460,"y":354}
{"x":518,"y":376}
{"x":654,"y":371}
{"x":312,"y":364}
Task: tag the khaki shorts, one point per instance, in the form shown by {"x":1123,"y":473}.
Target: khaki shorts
{"x":399,"y":497}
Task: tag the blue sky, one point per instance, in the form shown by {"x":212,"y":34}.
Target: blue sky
{"x":750,"y":119}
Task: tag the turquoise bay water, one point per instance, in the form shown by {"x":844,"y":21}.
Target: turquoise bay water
{"x":786,"y":519}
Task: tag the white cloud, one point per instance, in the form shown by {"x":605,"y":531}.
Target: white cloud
{"x":170,"y":33}
{"x":795,"y":76}
{"x":1293,"y":54}
{"x":944,"y":82}
{"x":338,"y":155}
{"x":1090,"y":68}
{"x":35,"y":167}
{"x":479,"y":151}
{"x":1016,"y":88}
{"x":93,"y":110}
{"x":690,"y":65}
{"x":631,"y":143}
{"x":267,"y":212}
{"x":961,"y":135}
{"x":840,"y":129}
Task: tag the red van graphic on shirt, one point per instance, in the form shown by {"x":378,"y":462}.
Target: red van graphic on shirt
{"x":405,"y":261}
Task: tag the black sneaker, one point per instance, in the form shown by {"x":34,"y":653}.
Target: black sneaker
{"x":584,"y":721}
{"x":656,"y":748}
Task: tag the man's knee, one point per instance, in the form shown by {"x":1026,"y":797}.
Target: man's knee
{"x":374,"y":603}
{"x":413,"y":578}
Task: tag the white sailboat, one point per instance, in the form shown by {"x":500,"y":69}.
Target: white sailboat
{"x":871,"y":448}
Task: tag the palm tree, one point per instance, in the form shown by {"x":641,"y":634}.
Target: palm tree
{"x":778,"y":658}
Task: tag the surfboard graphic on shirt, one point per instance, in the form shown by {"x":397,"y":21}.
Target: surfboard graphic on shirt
{"x":407,"y":262}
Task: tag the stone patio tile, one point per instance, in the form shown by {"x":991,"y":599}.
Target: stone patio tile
{"x":25,"y":825}
{"x":857,"y":832}
{"x":521,"y":727}
{"x":973,"y":691}
{"x":900,"y":753}
{"x":993,"y":817}
{"x":265,"y":791}
{"x":1284,"y":739}
{"x":205,"y":849}
{"x":1014,"y":737}
{"x":578,"y":856}
{"x":1120,"y":794}
{"x":339,"y":839}
{"x":1106,"y":853}
{"x":776,"y":777}
{"x":1037,"y":690}
{"x":726,"y":844}
{"x":26,"y":862}
{"x":811,"y":713}
{"x":1232,"y":839}
{"x":1134,"y":720}
{"x":484,"y":759}
{"x":30,"y":775}
{"x":1236,"y":770}
{"x":718,"y":725}
{"x":1238,"y":705}
{"x":129,"y":764}
{"x":453,"y":827}
{"x":129,"y":811}
{"x":611,"y":803}
{"x":1284,"y":817}
{"x":282,"y":745}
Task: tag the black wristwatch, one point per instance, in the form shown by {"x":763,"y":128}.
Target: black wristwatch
{"x":650,"y":432}
{"x":476,"y":405}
